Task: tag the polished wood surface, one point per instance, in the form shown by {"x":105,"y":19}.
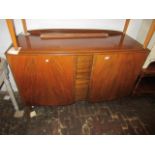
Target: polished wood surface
{"x":83,"y":71}
{"x":34,"y":44}
{"x":59,"y":35}
{"x":149,"y":34}
{"x":11,"y":28}
{"x":62,"y":71}
{"x":44,"y":79}
{"x":113,"y":75}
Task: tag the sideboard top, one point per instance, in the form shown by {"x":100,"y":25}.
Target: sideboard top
{"x":115,"y":40}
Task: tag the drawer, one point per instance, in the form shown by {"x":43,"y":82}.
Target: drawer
{"x":87,"y":58}
{"x":80,"y":83}
{"x":84,"y":62}
{"x":81,"y":89}
{"x":81,"y":93}
{"x":81,"y":97}
{"x":83,"y":75}
{"x":84,"y":65}
{"x":83,"y":71}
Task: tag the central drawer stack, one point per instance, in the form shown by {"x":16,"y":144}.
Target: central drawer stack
{"x":83,"y":71}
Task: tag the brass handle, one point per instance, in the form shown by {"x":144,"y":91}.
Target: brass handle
{"x":46,"y":60}
{"x":106,"y":57}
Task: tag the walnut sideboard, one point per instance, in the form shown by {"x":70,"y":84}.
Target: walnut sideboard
{"x":61,"y":71}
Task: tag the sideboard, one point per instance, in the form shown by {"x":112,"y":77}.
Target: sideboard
{"x":61,"y":71}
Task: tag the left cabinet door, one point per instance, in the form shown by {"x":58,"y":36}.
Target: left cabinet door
{"x":44,"y":79}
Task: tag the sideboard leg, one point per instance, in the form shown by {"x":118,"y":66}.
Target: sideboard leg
{"x":10,"y":91}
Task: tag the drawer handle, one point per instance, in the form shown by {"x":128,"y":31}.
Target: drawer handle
{"x":106,"y":57}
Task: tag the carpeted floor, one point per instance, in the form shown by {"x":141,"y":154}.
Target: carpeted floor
{"x":134,"y":115}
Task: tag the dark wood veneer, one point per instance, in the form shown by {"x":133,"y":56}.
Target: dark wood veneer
{"x":115,"y":76}
{"x":62,"y":71}
{"x":115,"y":41}
{"x":44,"y":79}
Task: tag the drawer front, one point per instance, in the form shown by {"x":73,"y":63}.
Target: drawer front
{"x":83,"y":71}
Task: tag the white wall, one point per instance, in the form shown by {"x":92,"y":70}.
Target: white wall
{"x":5,"y":42}
{"x":137,"y":29}
{"x":145,"y":25}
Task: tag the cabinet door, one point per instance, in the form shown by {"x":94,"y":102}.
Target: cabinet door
{"x":44,"y":79}
{"x":114,"y":75}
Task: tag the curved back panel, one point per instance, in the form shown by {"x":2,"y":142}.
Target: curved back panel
{"x":13,"y":34}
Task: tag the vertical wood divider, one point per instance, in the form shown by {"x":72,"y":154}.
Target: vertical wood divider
{"x":126,"y":25}
{"x":24,"y":25}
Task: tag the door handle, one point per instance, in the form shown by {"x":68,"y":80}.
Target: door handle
{"x":106,"y":57}
{"x":46,"y":60}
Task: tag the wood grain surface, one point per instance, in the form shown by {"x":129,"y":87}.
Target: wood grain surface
{"x":34,"y":44}
{"x":44,"y":79}
{"x":114,"y":75}
{"x":58,"y":35}
{"x":62,"y":71}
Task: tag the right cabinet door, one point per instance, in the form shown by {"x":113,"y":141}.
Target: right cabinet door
{"x":114,"y":75}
